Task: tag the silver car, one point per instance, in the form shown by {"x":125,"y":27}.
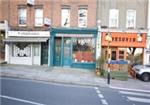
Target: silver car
{"x":142,"y":71}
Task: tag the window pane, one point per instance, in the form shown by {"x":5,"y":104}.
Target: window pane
{"x":39,"y":17}
{"x":113,"y":55}
{"x":82,"y":17}
{"x":38,"y":21}
{"x":83,"y":50}
{"x":113,"y":18}
{"x":131,"y":17}
{"x":65,"y":17}
{"x":22,"y":16}
{"x":21,"y":50}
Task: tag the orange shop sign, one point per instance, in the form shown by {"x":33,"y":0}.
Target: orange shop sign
{"x":124,"y":39}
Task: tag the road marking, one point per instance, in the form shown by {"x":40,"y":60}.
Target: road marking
{"x":100,"y":96}
{"x":138,"y":90}
{"x":144,"y":100}
{"x":133,"y":93}
{"x":96,"y":88}
{"x":21,"y":100}
{"x":104,"y":102}
{"x":98,"y":91}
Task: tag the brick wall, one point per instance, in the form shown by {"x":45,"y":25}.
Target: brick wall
{"x":52,"y":10}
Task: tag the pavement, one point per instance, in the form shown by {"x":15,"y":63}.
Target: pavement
{"x":69,"y":76}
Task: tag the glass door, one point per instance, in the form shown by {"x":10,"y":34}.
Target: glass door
{"x":57,"y":54}
{"x":67,"y":52}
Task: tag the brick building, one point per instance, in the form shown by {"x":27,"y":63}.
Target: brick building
{"x":73,"y":33}
{"x":126,"y":22}
{"x":3,"y":28}
{"x":28,"y":36}
{"x":53,"y":32}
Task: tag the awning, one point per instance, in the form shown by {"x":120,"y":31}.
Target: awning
{"x":25,"y":39}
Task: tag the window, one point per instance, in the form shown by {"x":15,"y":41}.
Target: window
{"x":65,"y":17}
{"x":22,"y":16}
{"x":113,"y":55}
{"x":121,"y":54}
{"x":131,"y":19}
{"x":21,"y":50}
{"x":113,"y":18}
{"x":83,"y":50}
{"x":82,"y":17}
{"x":39,"y":17}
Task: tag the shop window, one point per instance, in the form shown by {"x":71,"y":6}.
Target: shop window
{"x":131,"y":18}
{"x":38,"y":17}
{"x":22,"y":16}
{"x":121,"y":54}
{"x":82,"y":17}
{"x":113,"y":18}
{"x":113,"y":55}
{"x":21,"y":50}
{"x":65,"y":17}
{"x":83,"y":50}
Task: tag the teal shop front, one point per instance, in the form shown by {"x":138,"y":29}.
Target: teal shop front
{"x":75,"y":48}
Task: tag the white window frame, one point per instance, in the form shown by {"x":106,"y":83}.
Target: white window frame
{"x":65,"y":17}
{"x":38,"y":17}
{"x":82,"y":21}
{"x":131,"y":18}
{"x":113,"y":18}
{"x":21,"y":15}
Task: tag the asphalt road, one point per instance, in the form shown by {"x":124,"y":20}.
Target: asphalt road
{"x":27,"y":92}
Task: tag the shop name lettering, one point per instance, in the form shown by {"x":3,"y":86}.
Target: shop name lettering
{"x":28,"y":33}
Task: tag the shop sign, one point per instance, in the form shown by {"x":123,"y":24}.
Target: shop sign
{"x":29,"y":33}
{"x":74,"y":35}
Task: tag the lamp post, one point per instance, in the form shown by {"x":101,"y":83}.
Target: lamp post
{"x":108,"y":38}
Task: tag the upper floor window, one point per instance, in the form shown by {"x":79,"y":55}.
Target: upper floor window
{"x":113,"y":18}
{"x":131,"y":19}
{"x":38,"y":17}
{"x":22,"y":16}
{"x":65,"y":17}
{"x":82,"y":17}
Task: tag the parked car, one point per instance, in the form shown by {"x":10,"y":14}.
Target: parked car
{"x":142,"y":71}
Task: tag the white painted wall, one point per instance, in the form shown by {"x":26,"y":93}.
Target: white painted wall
{"x":147,"y":54}
{"x":21,"y":60}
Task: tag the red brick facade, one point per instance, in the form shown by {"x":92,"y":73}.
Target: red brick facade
{"x":51,"y":10}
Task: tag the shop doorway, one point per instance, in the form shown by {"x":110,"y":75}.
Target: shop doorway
{"x":62,"y":51}
{"x":36,"y":54}
{"x":57,"y":53}
{"x":44,"y":53}
{"x":67,"y":52}
{"x":2,"y":46}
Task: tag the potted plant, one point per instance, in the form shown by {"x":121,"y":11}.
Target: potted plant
{"x":100,"y":65}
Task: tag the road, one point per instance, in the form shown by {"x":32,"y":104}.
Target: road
{"x":28,"y":92}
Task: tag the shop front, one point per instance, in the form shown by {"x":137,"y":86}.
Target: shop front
{"x":73,"y":48}
{"x":27,"y":47}
{"x":124,"y":46}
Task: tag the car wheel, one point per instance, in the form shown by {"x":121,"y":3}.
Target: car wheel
{"x":145,"y":77}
